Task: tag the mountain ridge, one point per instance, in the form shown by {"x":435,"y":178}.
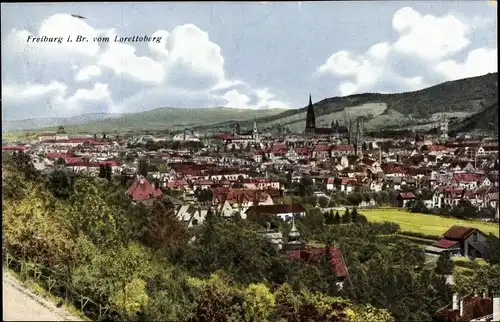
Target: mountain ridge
{"x":459,"y":100}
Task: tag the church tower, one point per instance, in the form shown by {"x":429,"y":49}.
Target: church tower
{"x":310,"y":118}
{"x":255,"y":132}
{"x":294,"y":239}
{"x":359,"y":139}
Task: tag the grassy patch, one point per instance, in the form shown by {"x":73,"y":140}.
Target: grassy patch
{"x":36,"y":288}
{"x":463,"y":264}
{"x":425,"y":224}
{"x":415,"y":240}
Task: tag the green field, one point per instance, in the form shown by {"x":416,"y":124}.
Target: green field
{"x":424,"y":224}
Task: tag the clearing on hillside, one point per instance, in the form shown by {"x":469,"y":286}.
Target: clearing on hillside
{"x":425,"y":224}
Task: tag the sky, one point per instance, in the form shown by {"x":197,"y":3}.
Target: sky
{"x":251,"y":55}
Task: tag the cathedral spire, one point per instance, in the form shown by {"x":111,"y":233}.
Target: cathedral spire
{"x":310,"y":117}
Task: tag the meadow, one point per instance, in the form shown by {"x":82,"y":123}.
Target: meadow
{"x":425,"y":224}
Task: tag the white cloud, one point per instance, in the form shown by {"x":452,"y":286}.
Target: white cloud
{"x":479,"y":62}
{"x":429,"y":37}
{"x":424,"y":40}
{"x":121,"y":58}
{"x":265,"y":99}
{"x":340,"y":63}
{"x":87,"y":73}
{"x":236,"y":99}
{"x":52,"y":99}
{"x":184,"y":56}
{"x":347,"y":88}
{"x":191,"y":45}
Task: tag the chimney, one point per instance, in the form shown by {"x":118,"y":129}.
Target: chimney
{"x":496,"y":307}
{"x":455,"y":303}
{"x":461,"y":306}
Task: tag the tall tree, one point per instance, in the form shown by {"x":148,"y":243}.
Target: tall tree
{"x":109,"y":172}
{"x":444,"y":264}
{"x":492,"y":255}
{"x":59,"y":184}
{"x":354,"y":214}
{"x":346,"y":218}
{"x":102,"y":171}
{"x":143,"y":168}
{"x":337,"y":217}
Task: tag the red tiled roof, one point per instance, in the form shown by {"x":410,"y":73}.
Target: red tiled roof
{"x":74,"y":161}
{"x":337,"y":262}
{"x":320,"y":148}
{"x":406,"y":195}
{"x":458,"y":232}
{"x":277,"y":209}
{"x":57,"y":155}
{"x":302,"y":151}
{"x":206,"y":182}
{"x":312,"y":256}
{"x":142,"y":190}
{"x":223,"y":136}
{"x":15,"y":148}
{"x":467,"y":177}
{"x":437,"y":148}
{"x":238,"y":196}
{"x":445,"y":243}
{"x":343,"y":147}
{"x":177,"y":183}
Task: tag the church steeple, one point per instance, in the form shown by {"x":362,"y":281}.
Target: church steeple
{"x":310,"y":118}
{"x":255,"y":132}
{"x":294,"y":239}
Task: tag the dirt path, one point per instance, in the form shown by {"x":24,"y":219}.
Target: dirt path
{"x":20,"y":304}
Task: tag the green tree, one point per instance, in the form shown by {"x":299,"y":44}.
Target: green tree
{"x":163,"y":230}
{"x":214,"y":299}
{"x":346,"y":217}
{"x":329,"y":218}
{"x":323,"y":201}
{"x":109,"y":172}
{"x":485,"y":278}
{"x":131,"y":299}
{"x":444,"y":264}
{"x":143,"y":168}
{"x":286,"y":303}
{"x":102,"y":171}
{"x":221,"y":244}
{"x":91,"y":214}
{"x":355,"y":198}
{"x":117,"y":273}
{"x":492,"y":254}
{"x":34,"y":228}
{"x":337,"y":218}
{"x":354,"y":215}
{"x":59,"y":184}
{"x":320,"y":307}
{"x":258,"y":303}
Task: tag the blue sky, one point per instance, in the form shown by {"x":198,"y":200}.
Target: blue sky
{"x":242,"y":55}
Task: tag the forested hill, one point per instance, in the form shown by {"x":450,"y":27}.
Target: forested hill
{"x":454,"y":99}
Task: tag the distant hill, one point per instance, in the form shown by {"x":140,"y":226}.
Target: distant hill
{"x":37,"y":123}
{"x":486,"y":120}
{"x":457,"y":99}
{"x":465,"y":101}
{"x":167,"y":118}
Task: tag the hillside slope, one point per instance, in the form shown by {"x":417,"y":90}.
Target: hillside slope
{"x":458,"y":99}
{"x":486,"y":120}
{"x":37,"y":123}
{"x":169,"y":118}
